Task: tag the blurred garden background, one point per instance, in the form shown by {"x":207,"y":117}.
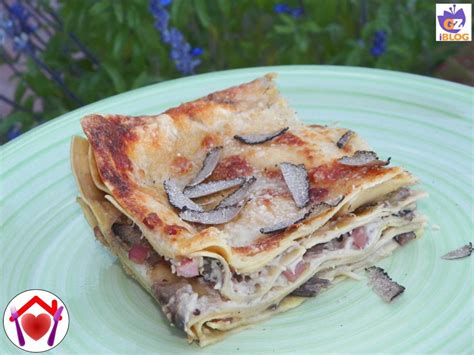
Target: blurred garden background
{"x":58,"y":55}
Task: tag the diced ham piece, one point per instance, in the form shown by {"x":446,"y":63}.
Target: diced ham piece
{"x":359,"y":236}
{"x":293,"y":275}
{"x":138,"y":253}
{"x":187,"y":268}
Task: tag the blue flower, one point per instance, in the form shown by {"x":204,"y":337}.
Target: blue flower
{"x":285,"y":9}
{"x":297,"y":12}
{"x":22,"y":15}
{"x":196,"y":51}
{"x":20,"y":43}
{"x":162,"y":18}
{"x":377,"y":51}
{"x":281,"y":8}
{"x":14,"y":131}
{"x":181,"y":53}
{"x":19,"y":11}
{"x":6,"y":24}
{"x":379,"y":45}
{"x":176,"y":36}
{"x":2,"y":36}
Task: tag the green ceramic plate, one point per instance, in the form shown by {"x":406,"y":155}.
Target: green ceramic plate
{"x":425,"y":125}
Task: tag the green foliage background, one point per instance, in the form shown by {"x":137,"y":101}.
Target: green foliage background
{"x":233,"y":34}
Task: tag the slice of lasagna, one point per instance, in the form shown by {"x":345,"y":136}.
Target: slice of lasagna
{"x":229,"y":210}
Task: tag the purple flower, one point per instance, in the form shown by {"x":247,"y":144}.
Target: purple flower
{"x":379,"y":43}
{"x":181,"y":53}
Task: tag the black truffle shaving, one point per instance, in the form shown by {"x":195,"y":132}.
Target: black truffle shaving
{"x":288,"y":223}
{"x":404,"y":238}
{"x":311,"y":288}
{"x":462,"y":252}
{"x":216,"y":216}
{"x":260,"y":138}
{"x":238,"y":195}
{"x":363,"y":158}
{"x":209,"y":188}
{"x":208,"y":166}
{"x":176,"y":197}
{"x":383,"y":285}
{"x":344,"y":139}
{"x":296,"y":178}
{"x":312,"y":210}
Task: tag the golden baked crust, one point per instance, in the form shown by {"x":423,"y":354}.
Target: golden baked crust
{"x":134,"y":155}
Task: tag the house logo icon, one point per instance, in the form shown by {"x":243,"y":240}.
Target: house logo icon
{"x":36,"y":320}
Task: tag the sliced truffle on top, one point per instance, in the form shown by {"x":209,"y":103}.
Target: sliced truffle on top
{"x":363,"y":158}
{"x":260,"y":138}
{"x":281,"y":226}
{"x":238,"y":195}
{"x":216,"y":216}
{"x":176,"y":197}
{"x":315,"y":209}
{"x":209,"y":188}
{"x":208,"y":166}
{"x":297,"y":180}
{"x":344,"y":139}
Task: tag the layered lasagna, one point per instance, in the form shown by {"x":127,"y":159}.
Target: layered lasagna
{"x":229,"y":210}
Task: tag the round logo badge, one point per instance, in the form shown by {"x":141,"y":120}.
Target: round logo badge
{"x":36,"y":320}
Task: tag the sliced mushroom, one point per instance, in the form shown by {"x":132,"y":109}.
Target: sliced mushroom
{"x":216,"y":216}
{"x":128,"y":233}
{"x":176,"y":197}
{"x":208,"y":166}
{"x":296,"y":178}
{"x":238,"y":195}
{"x":209,"y":188}
{"x":311,"y":288}
{"x":363,"y":158}
{"x":383,"y":285}
{"x":459,"y":253}
{"x":344,"y":139}
{"x":174,"y":298}
{"x":260,"y":138}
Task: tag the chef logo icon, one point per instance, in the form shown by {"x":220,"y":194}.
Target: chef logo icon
{"x":36,"y":320}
